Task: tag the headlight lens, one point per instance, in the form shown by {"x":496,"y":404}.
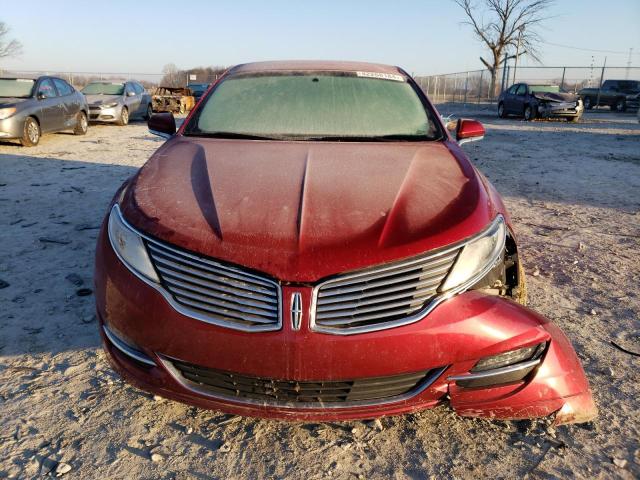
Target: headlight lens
{"x":109,"y":105}
{"x":6,"y":112}
{"x":478,"y":256}
{"x":129,"y":246}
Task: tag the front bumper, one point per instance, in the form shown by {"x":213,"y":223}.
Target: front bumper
{"x":560,"y":109}
{"x":449,"y":341}
{"x":107,"y":115}
{"x":11,"y":127}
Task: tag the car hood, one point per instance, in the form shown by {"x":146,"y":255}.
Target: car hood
{"x":100,"y":99}
{"x":301,"y":211}
{"x":556,"y":97}
{"x":10,"y":101}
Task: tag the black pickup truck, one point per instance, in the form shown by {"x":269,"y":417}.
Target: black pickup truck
{"x":616,"y":94}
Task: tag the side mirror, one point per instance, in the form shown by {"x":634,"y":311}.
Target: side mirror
{"x":41,"y":96}
{"x":469,"y":131}
{"x":131,"y":94}
{"x":162,"y":124}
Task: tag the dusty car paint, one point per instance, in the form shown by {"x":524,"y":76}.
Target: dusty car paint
{"x":299,"y":212}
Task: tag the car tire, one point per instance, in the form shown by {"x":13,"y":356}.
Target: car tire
{"x":588,"y":103}
{"x":501,"y":111}
{"x":529,"y":113}
{"x":31,"y":132}
{"x":147,"y":115}
{"x":82,"y":124}
{"x":620,"y":105}
{"x":124,"y":117}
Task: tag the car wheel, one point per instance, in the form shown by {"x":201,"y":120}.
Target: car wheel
{"x":529,"y":113}
{"x":124,"y":116}
{"x":588,"y":103}
{"x":501,"y":112}
{"x":82,"y":124}
{"x":147,"y":115}
{"x":621,"y":105}
{"x":30,"y":133}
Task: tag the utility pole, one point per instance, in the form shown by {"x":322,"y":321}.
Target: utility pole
{"x":626,"y":75}
{"x":601,"y":78}
{"x":515,"y":62}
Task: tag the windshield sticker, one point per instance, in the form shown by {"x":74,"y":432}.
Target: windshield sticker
{"x":382,"y":76}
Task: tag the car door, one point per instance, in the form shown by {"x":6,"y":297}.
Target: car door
{"x":69,"y":103}
{"x":131,"y":99}
{"x":509,"y":98}
{"x":519,"y":99}
{"x":144,"y":100}
{"x":50,"y":111}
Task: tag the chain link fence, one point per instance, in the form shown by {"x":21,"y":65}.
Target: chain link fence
{"x":475,"y":86}
{"x":461,"y":87}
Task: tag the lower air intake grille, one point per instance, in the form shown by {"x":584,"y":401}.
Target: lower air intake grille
{"x":381,"y":297}
{"x":283,"y":392}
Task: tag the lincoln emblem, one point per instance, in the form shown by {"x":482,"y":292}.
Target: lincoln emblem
{"x":296,"y":310}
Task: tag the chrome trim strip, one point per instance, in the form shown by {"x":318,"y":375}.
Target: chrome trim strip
{"x":186,"y":311}
{"x":194,"y":387}
{"x":462,"y":141}
{"x":126,"y":349}
{"x":497,"y":371}
{"x":422,"y":312}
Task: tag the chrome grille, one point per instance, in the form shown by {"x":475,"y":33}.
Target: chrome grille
{"x":381,"y":297}
{"x":214,"y":292}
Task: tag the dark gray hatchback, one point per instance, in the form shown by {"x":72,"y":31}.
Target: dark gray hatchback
{"x":31,"y":107}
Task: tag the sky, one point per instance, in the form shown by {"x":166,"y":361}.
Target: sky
{"x":423,"y":37}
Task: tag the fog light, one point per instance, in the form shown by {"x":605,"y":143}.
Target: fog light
{"x":507,"y":367}
{"x":509,"y":358}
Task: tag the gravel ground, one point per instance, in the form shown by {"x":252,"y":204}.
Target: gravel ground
{"x":574,"y":194}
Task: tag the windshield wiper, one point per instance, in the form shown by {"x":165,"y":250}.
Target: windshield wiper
{"x":242,"y":136}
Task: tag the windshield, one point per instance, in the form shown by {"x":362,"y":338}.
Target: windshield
{"x":16,"y":87}
{"x":314,"y":106}
{"x":544,"y":88}
{"x":100,"y":88}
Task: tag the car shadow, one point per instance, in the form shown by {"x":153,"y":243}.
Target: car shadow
{"x":50,"y":214}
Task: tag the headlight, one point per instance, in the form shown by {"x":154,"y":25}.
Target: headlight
{"x":109,"y":105}
{"x":6,"y":112}
{"x":129,"y":246}
{"x":478,"y":256}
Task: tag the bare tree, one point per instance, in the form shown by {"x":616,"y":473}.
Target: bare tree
{"x":501,"y":24}
{"x":8,"y":48}
{"x":171,"y":76}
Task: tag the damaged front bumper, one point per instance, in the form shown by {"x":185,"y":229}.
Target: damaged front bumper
{"x":560,"y":109}
{"x":149,"y":343}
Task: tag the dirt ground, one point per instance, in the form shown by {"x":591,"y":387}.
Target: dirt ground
{"x":574,"y":194}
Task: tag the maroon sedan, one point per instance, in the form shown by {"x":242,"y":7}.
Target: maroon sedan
{"x":313,"y":244}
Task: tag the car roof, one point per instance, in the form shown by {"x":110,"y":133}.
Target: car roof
{"x":21,"y":78}
{"x":315,"y":65}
